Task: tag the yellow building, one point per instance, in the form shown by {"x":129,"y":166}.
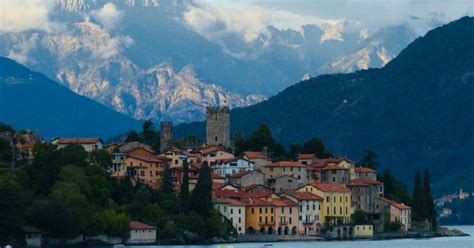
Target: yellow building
{"x":337,"y":204}
{"x":176,"y":155}
{"x":363,"y":231}
{"x":259,"y":216}
{"x":148,"y":169}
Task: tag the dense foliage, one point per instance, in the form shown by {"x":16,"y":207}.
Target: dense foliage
{"x":67,"y":192}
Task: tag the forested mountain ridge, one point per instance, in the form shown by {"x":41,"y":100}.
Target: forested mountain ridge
{"x":415,"y":112}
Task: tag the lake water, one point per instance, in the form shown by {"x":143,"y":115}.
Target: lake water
{"x":457,"y":242}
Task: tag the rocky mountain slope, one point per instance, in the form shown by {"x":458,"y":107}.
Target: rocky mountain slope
{"x":31,"y":100}
{"x":416,"y":112}
{"x":132,"y":56}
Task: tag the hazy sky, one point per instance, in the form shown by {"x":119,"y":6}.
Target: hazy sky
{"x":373,"y":13}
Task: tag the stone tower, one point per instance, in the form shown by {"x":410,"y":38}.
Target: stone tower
{"x":166,"y":135}
{"x":218,"y":126}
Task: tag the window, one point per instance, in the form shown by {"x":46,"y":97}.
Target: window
{"x":291,"y":210}
{"x":328,"y":199}
{"x":231,"y":211}
{"x":340,"y":210}
{"x":327,"y":211}
{"x":266,"y":210}
{"x":271,"y":219}
{"x":240,"y":220}
{"x":260,"y":210}
{"x":266,"y":219}
{"x":307,"y":207}
{"x":340,"y":199}
{"x":260,"y":219}
{"x":282,"y":210}
{"x":289,"y":220}
{"x":253,"y":212}
{"x":314,"y":207}
{"x":271,"y":210}
{"x":215,"y":138}
{"x":240,"y":211}
{"x":334,"y":212}
{"x":301,"y":208}
{"x":142,"y":173}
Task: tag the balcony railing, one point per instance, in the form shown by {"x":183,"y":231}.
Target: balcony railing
{"x":308,"y":222}
{"x":266,"y":223}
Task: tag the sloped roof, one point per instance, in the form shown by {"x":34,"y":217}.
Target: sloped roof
{"x":394,"y":203}
{"x":303,"y":196}
{"x":363,"y":182}
{"x":64,"y":141}
{"x":286,"y":164}
{"x":306,"y":156}
{"x":364,"y":170}
{"x":135,"y":225}
{"x":331,"y":187}
{"x":255,"y":155}
{"x":151,"y":158}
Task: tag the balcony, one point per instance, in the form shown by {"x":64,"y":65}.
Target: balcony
{"x":266,"y":223}
{"x":283,"y":222}
{"x":308,"y":222}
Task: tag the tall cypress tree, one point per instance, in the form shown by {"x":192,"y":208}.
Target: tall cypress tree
{"x":185,"y":188}
{"x":167,"y":185}
{"x":428,"y":199}
{"x":202,"y":195}
{"x":418,"y":199}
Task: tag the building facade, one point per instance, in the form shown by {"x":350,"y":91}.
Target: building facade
{"x":218,"y":126}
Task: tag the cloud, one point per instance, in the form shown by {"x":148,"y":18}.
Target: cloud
{"x":109,"y":16}
{"x":20,"y":50}
{"x":17,"y":16}
{"x":250,"y":22}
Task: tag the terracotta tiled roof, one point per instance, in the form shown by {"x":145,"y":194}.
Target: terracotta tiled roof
{"x":331,"y":187}
{"x":135,"y":225}
{"x":325,"y":161}
{"x":364,"y":170}
{"x":256,"y":202}
{"x":131,"y":146}
{"x":283,"y":203}
{"x":286,"y":164}
{"x":233,"y":202}
{"x":363,"y":182}
{"x":334,"y":167}
{"x":64,"y":141}
{"x":306,"y":156}
{"x":216,"y":186}
{"x":255,"y":155}
{"x":304,"y":196}
{"x":394,"y":203}
{"x":152,"y":158}
{"x":241,"y":174}
{"x":213,"y":176}
{"x":252,"y":186}
{"x":210,"y":149}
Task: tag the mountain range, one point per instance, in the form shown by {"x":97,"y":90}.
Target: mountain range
{"x":416,"y":112}
{"x":30,"y":100}
{"x":150,"y":61}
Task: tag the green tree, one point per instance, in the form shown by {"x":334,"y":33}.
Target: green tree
{"x":150,"y":136}
{"x":418,"y":199}
{"x":11,"y":208}
{"x":132,"y":136}
{"x":369,"y":159}
{"x":101,"y":158}
{"x":122,"y":191}
{"x":201,"y":197}
{"x":5,"y":153}
{"x":100,"y":188}
{"x":260,"y":138}
{"x":359,"y":217}
{"x":116,"y":224}
{"x":317,"y":147}
{"x":167,"y":184}
{"x":75,"y":175}
{"x":53,"y":217}
{"x":279,"y":153}
{"x":142,"y":196}
{"x":184,"y":191}
{"x":44,"y":168}
{"x":428,"y":200}
{"x":73,"y":154}
{"x":294,"y":150}
{"x":6,"y":128}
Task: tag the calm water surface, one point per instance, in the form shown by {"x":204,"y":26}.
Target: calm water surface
{"x":457,"y":242}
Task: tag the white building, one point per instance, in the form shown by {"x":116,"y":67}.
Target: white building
{"x":234,"y":211}
{"x":89,"y":144}
{"x":309,"y":211}
{"x":141,"y":233}
{"x":229,"y":167}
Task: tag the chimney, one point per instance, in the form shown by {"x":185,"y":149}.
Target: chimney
{"x":265,"y":151}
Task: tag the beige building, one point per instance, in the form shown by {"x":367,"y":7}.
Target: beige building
{"x":399,"y":212}
{"x":364,"y":194}
{"x":284,"y":182}
{"x":176,"y":156}
{"x":148,"y":169}
{"x":89,"y":144}
{"x":365,"y":172}
{"x":286,"y":216}
{"x":281,"y":168}
{"x":363,"y":231}
{"x":260,"y":158}
{"x":141,"y":233}
{"x":246,"y":178}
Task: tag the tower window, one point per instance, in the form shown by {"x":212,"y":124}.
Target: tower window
{"x":215,"y":138}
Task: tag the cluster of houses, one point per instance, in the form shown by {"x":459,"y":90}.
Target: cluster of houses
{"x":309,"y":196}
{"x":261,"y":196}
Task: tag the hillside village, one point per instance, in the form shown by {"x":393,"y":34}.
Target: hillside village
{"x":305,"y":198}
